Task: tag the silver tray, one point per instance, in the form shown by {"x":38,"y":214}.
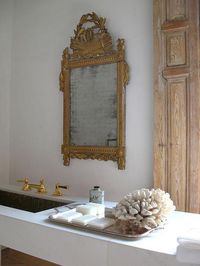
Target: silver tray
{"x":112,"y":231}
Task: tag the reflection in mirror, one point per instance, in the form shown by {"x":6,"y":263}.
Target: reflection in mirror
{"x":93,"y":105}
{"x":93,"y":79}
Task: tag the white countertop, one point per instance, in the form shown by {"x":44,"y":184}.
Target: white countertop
{"x":160,"y":241}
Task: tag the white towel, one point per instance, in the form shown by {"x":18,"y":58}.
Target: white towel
{"x":188,"y":250}
{"x":188,"y":255}
{"x":190,"y":238}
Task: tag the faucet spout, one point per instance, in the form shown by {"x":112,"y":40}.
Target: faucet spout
{"x":40,"y":187}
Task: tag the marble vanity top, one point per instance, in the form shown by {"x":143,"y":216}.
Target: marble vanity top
{"x":17,"y":228}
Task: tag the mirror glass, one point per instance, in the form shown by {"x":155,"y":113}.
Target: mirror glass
{"x":93,"y":105}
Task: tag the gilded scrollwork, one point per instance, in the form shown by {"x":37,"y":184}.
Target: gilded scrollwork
{"x":64,"y":65}
{"x":90,"y":41}
{"x":61,"y":81}
{"x":94,"y":156}
{"x":92,"y":45}
{"x":121,"y":45}
{"x":126,"y":74}
{"x":121,"y":158}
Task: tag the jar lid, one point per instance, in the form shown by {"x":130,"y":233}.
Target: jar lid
{"x":96,"y":187}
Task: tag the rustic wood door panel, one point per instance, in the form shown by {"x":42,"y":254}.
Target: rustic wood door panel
{"x":177,"y":141}
{"x":177,"y":101}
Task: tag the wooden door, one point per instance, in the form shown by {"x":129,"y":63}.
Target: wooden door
{"x":177,"y":101}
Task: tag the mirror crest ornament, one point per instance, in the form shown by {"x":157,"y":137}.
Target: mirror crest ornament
{"x":93,"y":79}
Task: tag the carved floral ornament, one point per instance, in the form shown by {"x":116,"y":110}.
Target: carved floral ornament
{"x":90,"y":46}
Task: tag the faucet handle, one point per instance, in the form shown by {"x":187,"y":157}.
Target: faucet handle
{"x":26,"y":186}
{"x":58,"y":191}
{"x":42,"y":188}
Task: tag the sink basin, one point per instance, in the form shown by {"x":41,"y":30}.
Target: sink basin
{"x":28,"y":203}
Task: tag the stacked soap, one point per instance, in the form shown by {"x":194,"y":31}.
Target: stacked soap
{"x":100,"y":208}
{"x":101,"y":223}
{"x":67,"y":216}
{"x":83,"y":220}
{"x":84,"y":214}
{"x":91,"y":209}
{"x":86,"y":209}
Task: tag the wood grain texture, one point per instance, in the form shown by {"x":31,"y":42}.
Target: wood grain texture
{"x":193,"y":188}
{"x":160,"y":100}
{"x":177,"y":104}
{"x":177,"y":141}
{"x":176,"y":49}
{"x":176,"y":9}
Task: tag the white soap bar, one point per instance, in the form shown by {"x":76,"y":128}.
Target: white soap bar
{"x":69,"y":216}
{"x":87,"y":210}
{"x":59,"y":213}
{"x":100,"y":208}
{"x":66,"y":216}
{"x":101,"y":223}
{"x":83,"y":220}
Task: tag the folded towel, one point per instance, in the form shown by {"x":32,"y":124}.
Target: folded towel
{"x":188,"y":250}
{"x":190,"y":238}
{"x":188,"y":255}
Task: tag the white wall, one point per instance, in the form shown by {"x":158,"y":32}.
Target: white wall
{"x":6,"y":17}
{"x":41,"y":30}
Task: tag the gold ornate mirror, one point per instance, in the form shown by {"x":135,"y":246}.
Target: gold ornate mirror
{"x":93,"y":78}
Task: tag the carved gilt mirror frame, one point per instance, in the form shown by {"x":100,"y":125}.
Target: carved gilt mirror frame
{"x":92,"y":52}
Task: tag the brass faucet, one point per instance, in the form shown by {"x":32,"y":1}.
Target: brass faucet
{"x":58,"y":191}
{"x":40,"y":187}
{"x":26,"y":185}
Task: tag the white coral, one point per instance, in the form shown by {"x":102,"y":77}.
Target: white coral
{"x":145,"y":208}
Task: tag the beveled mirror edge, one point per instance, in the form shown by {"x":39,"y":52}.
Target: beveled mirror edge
{"x":74,"y":60}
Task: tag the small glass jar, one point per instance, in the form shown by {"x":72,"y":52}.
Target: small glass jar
{"x":97,"y":195}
